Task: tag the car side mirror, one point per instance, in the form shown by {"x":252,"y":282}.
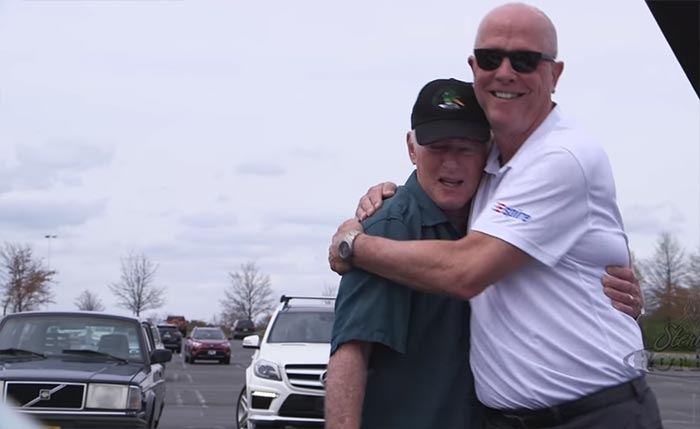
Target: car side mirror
{"x":161,"y":356}
{"x":251,"y":342}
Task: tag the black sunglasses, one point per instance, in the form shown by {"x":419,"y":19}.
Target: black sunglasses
{"x":520,"y":61}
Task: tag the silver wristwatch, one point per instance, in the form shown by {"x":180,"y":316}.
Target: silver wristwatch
{"x":345,"y":246}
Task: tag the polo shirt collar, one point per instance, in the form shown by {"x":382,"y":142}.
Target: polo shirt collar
{"x":493,"y":166}
{"x":431,"y":214}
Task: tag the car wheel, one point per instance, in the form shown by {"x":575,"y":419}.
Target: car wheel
{"x":160,"y":414}
{"x":226,"y":361}
{"x":242,"y":411}
{"x":152,"y":419}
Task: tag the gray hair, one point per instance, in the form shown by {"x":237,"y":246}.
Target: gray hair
{"x":412,"y":137}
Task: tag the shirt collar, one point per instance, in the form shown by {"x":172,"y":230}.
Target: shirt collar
{"x":493,"y":165}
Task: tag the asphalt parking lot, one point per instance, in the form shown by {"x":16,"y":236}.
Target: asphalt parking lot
{"x":678,"y":395}
{"x":203,"y":395}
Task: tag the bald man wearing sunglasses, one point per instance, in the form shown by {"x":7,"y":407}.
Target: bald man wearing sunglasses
{"x":547,"y":349}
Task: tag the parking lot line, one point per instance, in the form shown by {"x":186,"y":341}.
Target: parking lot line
{"x":200,"y":397}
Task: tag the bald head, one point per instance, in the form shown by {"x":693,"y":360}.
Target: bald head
{"x":514,"y":91}
{"x":521,"y":18}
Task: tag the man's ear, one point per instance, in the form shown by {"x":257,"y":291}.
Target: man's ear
{"x":557,"y":70}
{"x":471,"y":61}
{"x":411,"y":148}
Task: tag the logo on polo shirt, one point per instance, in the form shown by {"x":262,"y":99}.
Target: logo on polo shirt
{"x":503,"y":209}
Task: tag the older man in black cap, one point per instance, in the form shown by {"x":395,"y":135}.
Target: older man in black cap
{"x":399,"y":356}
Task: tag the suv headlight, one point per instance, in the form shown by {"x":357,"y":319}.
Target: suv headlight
{"x":268,"y":370}
{"x":113,"y":397}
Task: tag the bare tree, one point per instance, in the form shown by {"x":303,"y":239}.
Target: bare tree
{"x":329,"y":290}
{"x":156,"y":317}
{"x":665,"y":274}
{"x":24,"y":283}
{"x":694,"y":269}
{"x":693,"y":305}
{"x":136,"y":290}
{"x":648,"y":294}
{"x":89,"y":301}
{"x":249,"y":294}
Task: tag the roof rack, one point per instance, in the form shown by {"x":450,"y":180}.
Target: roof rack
{"x":286,"y":298}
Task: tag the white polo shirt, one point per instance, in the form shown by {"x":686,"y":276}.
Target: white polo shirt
{"x":547,"y":334}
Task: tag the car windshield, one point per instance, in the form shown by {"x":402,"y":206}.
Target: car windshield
{"x":244,"y":324}
{"x":168,"y":329}
{"x":52,"y":335}
{"x":208,"y":334}
{"x":302,"y":327}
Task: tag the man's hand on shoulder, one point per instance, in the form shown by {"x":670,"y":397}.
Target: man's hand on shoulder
{"x":336,"y":262}
{"x":373,"y":199}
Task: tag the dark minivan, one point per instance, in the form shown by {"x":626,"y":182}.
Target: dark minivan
{"x":171,"y":336}
{"x":242,"y":328}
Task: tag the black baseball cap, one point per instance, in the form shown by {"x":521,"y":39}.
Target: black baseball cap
{"x":447,"y":108}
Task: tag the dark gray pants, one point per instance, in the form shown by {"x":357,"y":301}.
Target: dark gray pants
{"x":637,"y":412}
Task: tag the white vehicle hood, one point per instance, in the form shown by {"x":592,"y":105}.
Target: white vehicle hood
{"x":296,"y":353}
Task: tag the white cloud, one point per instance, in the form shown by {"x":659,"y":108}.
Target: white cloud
{"x":260,"y":169}
{"x":43,"y":216}
{"x":41,"y":166}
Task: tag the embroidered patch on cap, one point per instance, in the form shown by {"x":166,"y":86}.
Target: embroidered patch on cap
{"x":448,"y":99}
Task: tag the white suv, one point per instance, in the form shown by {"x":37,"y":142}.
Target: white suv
{"x":285,"y":381}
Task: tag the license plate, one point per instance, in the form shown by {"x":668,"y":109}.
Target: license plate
{"x":212,"y":352}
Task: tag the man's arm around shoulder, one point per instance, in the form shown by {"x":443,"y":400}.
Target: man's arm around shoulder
{"x":345,"y":386}
{"x":462,"y":268}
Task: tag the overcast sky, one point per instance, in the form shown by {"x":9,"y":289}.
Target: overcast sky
{"x":205,"y":134}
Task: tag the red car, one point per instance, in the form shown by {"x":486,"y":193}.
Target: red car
{"x":209,"y":344}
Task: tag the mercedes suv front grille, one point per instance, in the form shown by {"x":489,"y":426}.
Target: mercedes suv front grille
{"x":306,"y":376}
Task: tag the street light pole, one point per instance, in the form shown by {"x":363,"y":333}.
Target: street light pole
{"x":48,"y":238}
